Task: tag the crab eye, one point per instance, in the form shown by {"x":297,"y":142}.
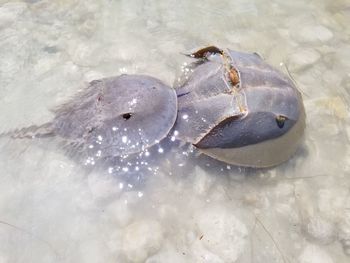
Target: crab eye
{"x":127,"y":116}
{"x":280,"y":121}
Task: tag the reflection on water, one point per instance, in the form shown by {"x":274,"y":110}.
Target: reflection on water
{"x":193,"y":209}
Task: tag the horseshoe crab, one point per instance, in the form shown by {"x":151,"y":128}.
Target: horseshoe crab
{"x":236,"y":108}
{"x":231,"y":106}
{"x":113,"y":117}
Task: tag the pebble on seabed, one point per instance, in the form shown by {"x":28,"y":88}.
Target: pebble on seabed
{"x":223,"y":233}
{"x":301,"y":58}
{"x":314,"y":254}
{"x":316,"y":33}
{"x":142,"y":239}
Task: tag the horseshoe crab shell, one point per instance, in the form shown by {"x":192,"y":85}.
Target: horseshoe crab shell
{"x":236,"y":108}
{"x":114,"y":116}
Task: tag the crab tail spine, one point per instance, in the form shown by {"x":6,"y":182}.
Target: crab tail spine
{"x":31,"y":132}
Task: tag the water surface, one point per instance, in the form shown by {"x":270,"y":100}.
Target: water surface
{"x":53,"y":210}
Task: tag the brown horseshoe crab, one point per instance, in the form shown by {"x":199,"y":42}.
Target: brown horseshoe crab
{"x":236,"y":108}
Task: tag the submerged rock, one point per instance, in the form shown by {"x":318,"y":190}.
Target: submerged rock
{"x":142,"y":239}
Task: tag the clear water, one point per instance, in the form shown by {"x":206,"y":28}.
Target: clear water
{"x":52,"y":210}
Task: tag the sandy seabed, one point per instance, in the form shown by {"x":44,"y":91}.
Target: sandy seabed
{"x":53,"y":210}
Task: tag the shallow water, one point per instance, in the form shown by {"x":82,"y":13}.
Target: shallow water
{"x":54,"y":210}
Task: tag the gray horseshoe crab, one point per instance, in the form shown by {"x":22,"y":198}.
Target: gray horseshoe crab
{"x":231,"y":106}
{"x":112,"y":117}
{"x":236,"y":108}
